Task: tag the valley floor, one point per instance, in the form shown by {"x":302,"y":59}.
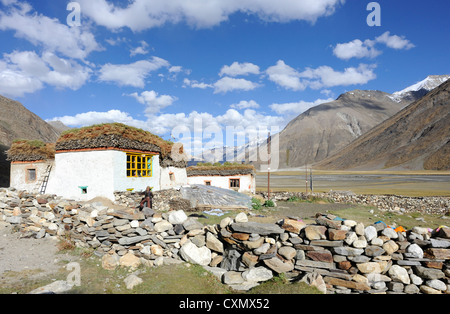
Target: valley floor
{"x":406,"y":183}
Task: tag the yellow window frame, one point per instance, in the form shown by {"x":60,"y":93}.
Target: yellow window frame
{"x":139,"y":165}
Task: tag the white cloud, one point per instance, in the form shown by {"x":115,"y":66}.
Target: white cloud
{"x":296,"y":108}
{"x":153,"y":102}
{"x":244,"y":104}
{"x":195,"y":84}
{"x":359,"y":49}
{"x":394,"y":41}
{"x":133,"y":74}
{"x":73,"y":42}
{"x":325,"y":76}
{"x":228,"y":84}
{"x":237,"y":68}
{"x":141,"y":50}
{"x":26,"y":72}
{"x":285,"y":76}
{"x":95,"y":117}
{"x":144,"y":14}
{"x":192,"y":129}
{"x":356,"y":49}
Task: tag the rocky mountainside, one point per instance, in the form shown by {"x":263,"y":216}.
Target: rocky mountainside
{"x":417,"y":137}
{"x":323,"y":130}
{"x":17,"y":122}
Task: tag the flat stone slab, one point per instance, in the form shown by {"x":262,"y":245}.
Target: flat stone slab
{"x":256,"y":227}
{"x":199,"y":194}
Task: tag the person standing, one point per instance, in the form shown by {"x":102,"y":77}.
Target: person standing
{"x":148,"y":198}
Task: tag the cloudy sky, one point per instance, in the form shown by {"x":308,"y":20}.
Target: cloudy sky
{"x":171,"y":65}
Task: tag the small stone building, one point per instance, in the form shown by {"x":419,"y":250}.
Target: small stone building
{"x":240,"y":178}
{"x":99,"y":160}
{"x":31,"y":163}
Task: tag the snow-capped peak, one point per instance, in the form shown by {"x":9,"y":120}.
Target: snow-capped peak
{"x":431,"y":82}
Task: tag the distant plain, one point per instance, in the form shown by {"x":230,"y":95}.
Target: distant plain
{"x":405,"y":183}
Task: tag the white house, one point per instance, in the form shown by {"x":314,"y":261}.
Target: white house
{"x":98,"y":161}
{"x":240,"y":178}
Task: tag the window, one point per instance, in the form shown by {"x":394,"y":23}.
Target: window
{"x":139,"y":165}
{"x":234,"y":183}
{"x":208,"y":183}
{"x":172,"y":176}
{"x":83,"y":189}
{"x":31,"y":175}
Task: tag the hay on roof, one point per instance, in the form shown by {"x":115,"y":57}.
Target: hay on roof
{"x":115,"y":135}
{"x":30,"y":150}
{"x":220,"y":170}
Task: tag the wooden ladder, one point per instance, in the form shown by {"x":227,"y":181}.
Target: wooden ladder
{"x":43,"y":183}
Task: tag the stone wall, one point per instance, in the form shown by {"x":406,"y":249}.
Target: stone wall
{"x":430,"y":205}
{"x":336,"y":255}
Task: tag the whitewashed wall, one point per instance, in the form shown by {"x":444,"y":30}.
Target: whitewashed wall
{"x":88,"y":168}
{"x":247,"y":182}
{"x":18,"y":178}
{"x":122,"y":182}
{"x":179,"y":177}
{"x":103,"y":172}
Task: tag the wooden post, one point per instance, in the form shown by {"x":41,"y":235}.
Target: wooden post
{"x":306,"y":180}
{"x":268,"y":166}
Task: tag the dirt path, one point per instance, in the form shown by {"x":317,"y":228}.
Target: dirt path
{"x":27,"y":257}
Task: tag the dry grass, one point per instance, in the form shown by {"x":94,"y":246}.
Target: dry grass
{"x":123,"y":130}
{"x":25,"y":150}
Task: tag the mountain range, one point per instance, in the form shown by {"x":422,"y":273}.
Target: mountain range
{"x":361,"y":129}
{"x":417,"y":137}
{"x":323,"y":130}
{"x":17,"y":122}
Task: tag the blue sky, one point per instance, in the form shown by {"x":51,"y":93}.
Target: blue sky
{"x":168,"y":65}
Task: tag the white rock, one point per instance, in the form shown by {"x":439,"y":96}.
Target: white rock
{"x":350,"y":223}
{"x":420,"y":230}
{"x":436,"y":284}
{"x":390,"y":233}
{"x":162,"y":226}
{"x":191,"y":253}
{"x":257,"y":274}
{"x":177,"y":217}
{"x":414,"y":251}
{"x":361,"y":243}
{"x":59,"y":286}
{"x":351,"y":237}
{"x":399,"y":274}
{"x":241,"y":217}
{"x":370,"y":232}
{"x":132,"y":280}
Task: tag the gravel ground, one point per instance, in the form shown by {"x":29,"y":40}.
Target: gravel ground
{"x":36,"y":257}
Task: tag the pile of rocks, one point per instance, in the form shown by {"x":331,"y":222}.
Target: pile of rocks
{"x":163,"y":200}
{"x":336,"y":255}
{"x":339,"y":256}
{"x":401,"y":204}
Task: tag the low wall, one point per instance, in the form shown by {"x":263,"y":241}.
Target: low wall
{"x":430,"y":205}
{"x":336,"y":255}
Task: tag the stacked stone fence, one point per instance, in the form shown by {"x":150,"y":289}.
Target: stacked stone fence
{"x":334,"y":254}
{"x":397,"y":203}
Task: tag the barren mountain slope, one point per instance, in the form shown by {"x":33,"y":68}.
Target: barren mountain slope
{"x":417,"y":137}
{"x":17,"y":122}
{"x":324,"y":129}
